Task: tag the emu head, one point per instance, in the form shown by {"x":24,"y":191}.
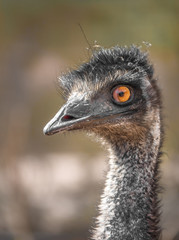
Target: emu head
{"x":113,"y":95}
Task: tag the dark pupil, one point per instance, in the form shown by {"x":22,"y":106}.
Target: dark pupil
{"x":121,"y":94}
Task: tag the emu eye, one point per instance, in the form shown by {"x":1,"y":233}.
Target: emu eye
{"x":121,"y":94}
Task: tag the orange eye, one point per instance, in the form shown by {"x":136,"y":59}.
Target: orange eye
{"x":121,"y":94}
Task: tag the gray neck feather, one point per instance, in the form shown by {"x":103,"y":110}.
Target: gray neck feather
{"x":129,"y":204}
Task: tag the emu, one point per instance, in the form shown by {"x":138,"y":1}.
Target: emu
{"x":116,"y":97}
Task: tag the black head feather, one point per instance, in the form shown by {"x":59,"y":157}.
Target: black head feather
{"x":108,"y":61}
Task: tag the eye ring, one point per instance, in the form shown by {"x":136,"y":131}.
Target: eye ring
{"x":122,"y":94}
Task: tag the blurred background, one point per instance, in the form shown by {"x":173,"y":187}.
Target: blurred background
{"x":50,"y":186}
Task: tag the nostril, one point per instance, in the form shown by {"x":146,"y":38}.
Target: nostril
{"x":67,"y":118}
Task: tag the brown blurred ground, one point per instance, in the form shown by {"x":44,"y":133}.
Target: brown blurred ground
{"x":49,"y":187}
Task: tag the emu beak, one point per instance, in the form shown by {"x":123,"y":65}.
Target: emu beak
{"x":71,"y":116}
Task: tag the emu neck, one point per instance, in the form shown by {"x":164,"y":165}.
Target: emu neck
{"x":129,"y":204}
